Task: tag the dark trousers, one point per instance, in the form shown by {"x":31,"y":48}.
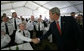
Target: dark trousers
{"x":31,"y":34}
{"x":39,"y":33}
{"x":12,"y":39}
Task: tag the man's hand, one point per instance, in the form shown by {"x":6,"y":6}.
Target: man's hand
{"x":35,"y":41}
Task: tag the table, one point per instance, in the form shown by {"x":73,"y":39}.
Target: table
{"x":25,"y":46}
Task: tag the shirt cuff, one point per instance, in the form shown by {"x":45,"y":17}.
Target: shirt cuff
{"x":39,"y":39}
{"x":29,"y":40}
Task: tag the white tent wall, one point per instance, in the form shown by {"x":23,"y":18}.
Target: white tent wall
{"x":36,"y":8}
{"x":41,"y":11}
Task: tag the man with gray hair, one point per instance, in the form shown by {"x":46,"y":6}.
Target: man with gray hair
{"x":65,"y":31}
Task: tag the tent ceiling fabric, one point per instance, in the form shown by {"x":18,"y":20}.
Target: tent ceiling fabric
{"x":40,"y":7}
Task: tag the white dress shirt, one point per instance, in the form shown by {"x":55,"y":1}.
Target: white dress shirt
{"x":30,"y":25}
{"x":5,"y":39}
{"x":18,"y":21}
{"x":10,"y":27}
{"x":59,"y":21}
{"x":41,"y":26}
{"x":19,"y":38}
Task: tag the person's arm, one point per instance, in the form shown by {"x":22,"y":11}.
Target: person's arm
{"x":46,"y":34}
{"x":26,"y":39}
{"x":18,"y":35}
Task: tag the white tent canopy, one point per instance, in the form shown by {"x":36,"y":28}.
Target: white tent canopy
{"x":36,"y":8}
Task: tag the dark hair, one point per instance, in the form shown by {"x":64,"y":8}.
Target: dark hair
{"x":72,"y":12}
{"x":22,"y":23}
{"x":13,"y":12}
{"x":80,"y":15}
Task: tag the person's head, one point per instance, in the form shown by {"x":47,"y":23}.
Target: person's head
{"x":32,"y":18}
{"x":73,"y":14}
{"x":22,"y":26}
{"x":39,"y":20}
{"x":79,"y":16}
{"x":4,"y":19}
{"x":40,"y":16}
{"x":4,"y":14}
{"x":14,"y":14}
{"x":54,"y":13}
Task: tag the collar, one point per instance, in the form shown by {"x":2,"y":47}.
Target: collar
{"x":20,"y":30}
{"x":58,"y":19}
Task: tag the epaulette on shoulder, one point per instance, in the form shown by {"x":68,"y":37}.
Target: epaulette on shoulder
{"x":19,"y":30}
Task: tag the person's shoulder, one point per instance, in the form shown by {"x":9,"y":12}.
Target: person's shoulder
{"x":29,"y":21}
{"x":52,"y":23}
{"x":27,"y":31}
{"x":18,"y":31}
{"x":2,"y":22}
{"x":67,"y":18}
{"x":18,"y":18}
{"x":9,"y":24}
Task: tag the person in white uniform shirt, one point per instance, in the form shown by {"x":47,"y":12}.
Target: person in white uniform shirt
{"x":23,"y":35}
{"x":15,"y":21}
{"x":23,"y":20}
{"x":5,"y":39}
{"x":6,"y":26}
{"x":31,"y":26}
{"x":39,"y":28}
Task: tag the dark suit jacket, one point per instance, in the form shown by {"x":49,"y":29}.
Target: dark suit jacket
{"x":70,"y":38}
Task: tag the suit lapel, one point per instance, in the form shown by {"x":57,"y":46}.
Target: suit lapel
{"x":56,"y":29}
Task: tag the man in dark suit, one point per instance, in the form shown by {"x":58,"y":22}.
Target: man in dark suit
{"x":65,"y":31}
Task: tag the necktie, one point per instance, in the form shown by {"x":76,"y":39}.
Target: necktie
{"x":15,"y":23}
{"x":6,"y":28}
{"x":23,"y":33}
{"x":34,"y":26}
{"x":57,"y":23}
{"x":39,"y":26}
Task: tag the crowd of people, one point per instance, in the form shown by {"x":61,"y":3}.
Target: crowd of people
{"x":15,"y":26}
{"x":17,"y":30}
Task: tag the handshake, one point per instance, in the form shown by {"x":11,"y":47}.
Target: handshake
{"x":35,"y":40}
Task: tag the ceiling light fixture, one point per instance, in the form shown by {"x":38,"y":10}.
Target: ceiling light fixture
{"x":12,"y":10}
